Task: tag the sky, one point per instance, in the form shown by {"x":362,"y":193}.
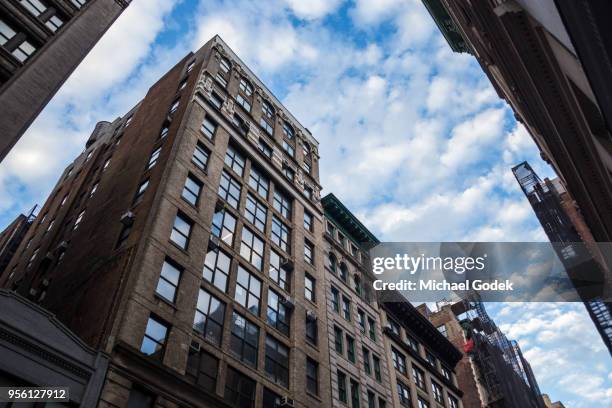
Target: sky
{"x":413,"y":138}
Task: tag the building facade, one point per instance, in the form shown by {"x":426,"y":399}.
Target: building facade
{"x":550,"y":60}
{"x":358,"y":365}
{"x":492,"y":372}
{"x":186,"y":242}
{"x":11,"y":238}
{"x":41,"y":43}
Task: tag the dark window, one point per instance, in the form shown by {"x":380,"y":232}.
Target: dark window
{"x":346,"y":308}
{"x":354,"y":393}
{"x":209,"y":317}
{"x":350,"y":349}
{"x":282,"y":204}
{"x":181,"y":231}
{"x":140,"y":399}
{"x":399,"y":361}
{"x":225,"y":66}
{"x":255,"y":212}
{"x":371,"y":399}
{"x":154,"y":338}
{"x":431,"y":359}
{"x":277,"y":314}
{"x":312,"y":376}
{"x":366,"y":361}
{"x":395,"y":327}
{"x":412,"y":343}
{"x":280,"y":234}
{"x":335,"y":299}
{"x":229,"y":189}
{"x":372,"y":328}
{"x":437,"y":392}
{"x":277,"y":361}
{"x":248,"y":290}
{"x":377,"y":371}
{"x":252,"y":248}
{"x":191,"y":190}
{"x":288,"y":130}
{"x":453,"y":402}
{"x":168,"y":280}
{"x":245,"y":340}
{"x":189,"y":67}
{"x":403,"y":392}
{"x":308,"y":223}
{"x":382,"y":403}
{"x":242,"y":101}
{"x":174,"y":106}
{"x":342,"y":386}
{"x":277,"y":273}
{"x":259,"y":183}
{"x":422,"y":403}
{"x":361,"y":319}
{"x":338,"y":340}
{"x":311,"y":329}
{"x":309,"y":288}
{"x":446,"y":372}
{"x":216,"y":100}
{"x":200,"y":156}
{"x":209,"y":128}
{"x":308,"y":252}
{"x":142,"y":187}
{"x":288,"y":172}
{"x":271,"y":399}
{"x":206,"y":366}
{"x":264,"y":148}
{"x":239,"y":389}
{"x":223,"y":226}
{"x":234,"y":160}
{"x":152,"y":160}
{"x":288,"y":148}
{"x":217,"y":268}
{"x":343,"y":272}
{"x":418,"y":377}
{"x":331,"y":262}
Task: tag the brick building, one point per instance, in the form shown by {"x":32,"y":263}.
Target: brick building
{"x":41,"y":43}
{"x":186,"y":242}
{"x":11,"y":237}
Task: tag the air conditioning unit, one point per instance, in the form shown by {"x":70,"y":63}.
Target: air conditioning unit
{"x":286,"y":402}
{"x":288,"y":302}
{"x":194,"y":347}
{"x":286,"y":264}
{"x":213,"y":242}
{"x":127,"y":218}
{"x":311,"y":315}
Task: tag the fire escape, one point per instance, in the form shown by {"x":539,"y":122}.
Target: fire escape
{"x":559,"y":229}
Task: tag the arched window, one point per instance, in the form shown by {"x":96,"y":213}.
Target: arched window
{"x":357,"y":282}
{"x":288,"y":130}
{"x":343,"y":272}
{"x":332,"y":263}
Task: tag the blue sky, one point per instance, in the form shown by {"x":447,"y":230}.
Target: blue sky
{"x":412,"y":137}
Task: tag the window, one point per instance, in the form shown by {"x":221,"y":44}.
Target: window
{"x":366,"y":361}
{"x":240,"y":124}
{"x":64,"y":200}
{"x":224,"y":66}
{"x":277,"y":273}
{"x":259,"y":183}
{"x":412,"y":343}
{"x":239,"y":389}
{"x":335,"y":299}
{"x":442,"y":330}
{"x":223,"y":226}
{"x":246,"y":87}
{"x":395,"y":327}
{"x":341,"y":239}
{"x":309,"y":287}
{"x":200,"y":156}
{"x":267,"y":110}
{"x":140,"y":399}
{"x":191,"y":190}
{"x":124,"y":235}
{"x":308,"y":192}
{"x":382,"y":403}
{"x":309,"y":252}
{"x":329,"y":228}
{"x":182,"y":85}
{"x":205,"y":367}
{"x":311,"y":329}
{"x":266,"y":126}
{"x":288,"y":130}
{"x":244,"y":341}
{"x":399,"y":361}
{"x":229,"y":189}
{"x":346,"y":308}
{"x":216,"y":100}
{"x":307,"y":167}
{"x":372,"y":328}
{"x":271,"y":399}
{"x":288,"y":172}
{"x":361,"y":319}
{"x":154,"y":338}
{"x":217,"y":268}
{"x":209,"y":128}
{"x":255,"y":212}
{"x":6,"y":32}
{"x":50,"y":226}
{"x":209,"y":317}
{"x":343,"y":272}
{"x":308,"y":221}
{"x":431,"y":359}
{"x":357,"y":284}
{"x":341,"y":377}
{"x":89,"y":156}
{"x":248,"y":290}
{"x":282,"y":203}
{"x":264,"y":148}
{"x":181,"y":230}
{"x":221,"y":80}
{"x":154,"y":157}
{"x":338,"y":340}
{"x":234,"y":160}
{"x":312,"y":376}
{"x":93,"y":190}
{"x":190,"y":66}
{"x":252,"y":248}
{"x":277,"y":315}
{"x":437,"y":392}
{"x":354,"y":393}
{"x":242,"y":101}
{"x":164,"y":132}
{"x":288,"y":148}
{"x":36,"y":7}
{"x":141,"y":190}
{"x":422,"y":403}
{"x":453,"y":402}
{"x":377,"y":371}
{"x":78,"y":220}
{"x":23,"y":51}
{"x":446,"y":372}
{"x":277,"y":361}
{"x":403,"y":392}
{"x":280,"y":234}
{"x":331,"y":262}
{"x":174,"y":106}
{"x":168,"y":280}
{"x":418,"y":377}
{"x":350,"y":349}
{"x":371,"y":399}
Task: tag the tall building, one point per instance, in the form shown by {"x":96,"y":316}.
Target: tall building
{"x":423,"y":359}
{"x":186,"y":241}
{"x":564,"y":225}
{"x":492,"y":372}
{"x":550,"y":60}
{"x":12,"y":236}
{"x":41,"y":43}
{"x":358,"y":364}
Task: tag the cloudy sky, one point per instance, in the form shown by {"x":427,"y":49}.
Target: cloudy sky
{"x":412,"y":136}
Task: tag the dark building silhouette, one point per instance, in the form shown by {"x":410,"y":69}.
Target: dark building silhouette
{"x":41,"y":43}
{"x":11,"y":238}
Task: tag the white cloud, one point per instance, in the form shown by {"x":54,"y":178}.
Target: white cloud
{"x":312,"y":9}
